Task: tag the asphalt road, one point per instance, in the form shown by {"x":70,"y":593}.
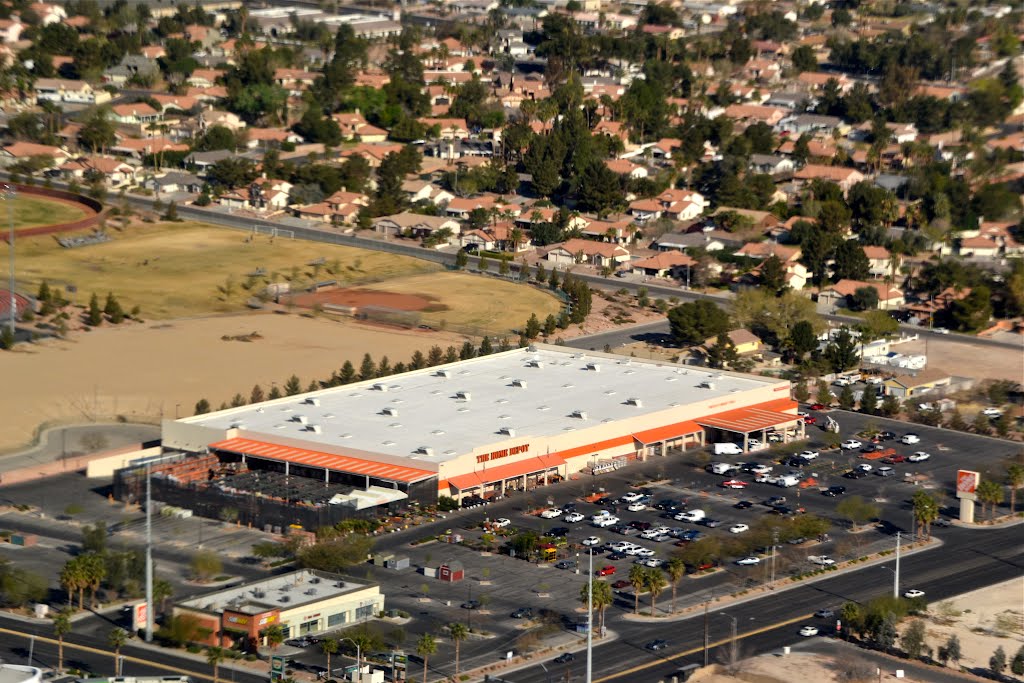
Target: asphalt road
{"x":969,"y":559}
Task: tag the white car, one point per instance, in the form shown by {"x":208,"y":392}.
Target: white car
{"x":591,"y":541}
{"x":808,"y":631}
{"x":863,"y":467}
{"x":913,"y":593}
{"x":645,"y":552}
{"x":753,"y":444}
{"x":738,"y":528}
{"x":734,"y":484}
{"x":843,"y":382}
{"x":821,"y":560}
{"x":501,"y":522}
{"x":606,"y":521}
{"x":574,"y":517}
{"x":551,"y":513}
{"x":651,"y":562}
{"x":750,"y":560}
{"x":632,"y":497}
{"x":691,"y":516}
{"x":761,"y":469}
{"x":636,"y":507}
{"x":851,"y":445}
{"x":919,"y":456}
{"x":633,"y":550}
{"x":809,"y":455}
{"x":875,"y":380}
{"x":992,"y":412}
{"x":599,"y":514}
{"x":910,"y":439}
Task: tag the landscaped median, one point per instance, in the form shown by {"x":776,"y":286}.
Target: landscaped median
{"x":720,"y":601}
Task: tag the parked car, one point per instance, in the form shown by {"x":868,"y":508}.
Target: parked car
{"x":851,"y":445}
{"x":749,"y":560}
{"x":591,"y":541}
{"x":565,"y":564}
{"x":636,"y":507}
{"x":992,"y":412}
{"x":734,"y":484}
{"x":574,"y":517}
{"x":691,"y":516}
{"x":501,"y":522}
{"x":834,"y":491}
{"x":818,"y":406}
{"x":885,"y":471}
{"x":743,"y":505}
{"x":886,"y":436}
{"x":809,"y":455}
{"x":298,"y":642}
{"x":522,"y":613}
{"x":775,"y":500}
{"x":558,"y":532}
{"x":668,"y":505}
{"x":620,"y":584}
{"x":919,"y":456}
{"x":738,"y":528}
{"x":569,"y":507}
{"x":914,"y":593}
{"x":894,"y":459}
{"x":855,"y":474}
{"x":606,"y":570}
{"x":808,"y":631}
{"x":710,"y":523}
{"x":471,"y":604}
{"x":551,"y":513}
{"x":910,"y":439}
{"x":821,"y":560}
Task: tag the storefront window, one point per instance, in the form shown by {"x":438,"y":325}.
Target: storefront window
{"x":365,"y":612}
{"x":337,"y":619}
{"x":309,"y":627}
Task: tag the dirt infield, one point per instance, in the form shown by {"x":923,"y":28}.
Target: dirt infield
{"x":162,"y":369}
{"x":358,"y":298}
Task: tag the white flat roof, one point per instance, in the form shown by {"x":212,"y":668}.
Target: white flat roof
{"x":541,"y":391}
{"x":280,"y":592}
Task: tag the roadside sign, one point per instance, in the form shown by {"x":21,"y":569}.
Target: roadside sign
{"x":966,"y":482}
{"x":277,"y":663}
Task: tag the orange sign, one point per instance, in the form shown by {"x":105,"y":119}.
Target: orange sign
{"x":503,"y":453}
{"x":966,"y":481}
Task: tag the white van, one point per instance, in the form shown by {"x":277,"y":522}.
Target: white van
{"x":787,"y":480}
{"x":727,"y":449}
{"x":723,"y":468}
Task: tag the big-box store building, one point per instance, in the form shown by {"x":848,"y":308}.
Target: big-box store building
{"x":483,"y":427}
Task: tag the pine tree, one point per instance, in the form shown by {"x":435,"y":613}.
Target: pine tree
{"x":997,"y":663}
{"x":553,"y":279}
{"x":846,"y":398}
{"x":95,"y":315}
{"x":503,"y":267}
{"x":532,"y":326}
{"x":172,"y":212}
{"x":451,"y":355}
{"x":823,"y":395}
{"x":468,"y":351}
{"x":347,"y":374}
{"x":292,"y":386}
{"x":6,"y":338}
{"x":461,"y":260}
{"x":274,"y":394}
{"x":384,"y":367}
{"x":399,"y":368}
{"x":312,"y":386}
{"x":367,"y":370}
{"x":550,"y":325}
{"x":801,"y":393}
{"x":482,"y":265}
{"x":256,"y":395}
{"x":202,"y":407}
{"x":237,"y":401}
{"x":435,"y":356}
{"x":44,"y":295}
{"x":869,"y":401}
{"x":541,"y":275}
{"x":418,"y":362}
{"x":113,"y":309}
{"x":486,"y":348}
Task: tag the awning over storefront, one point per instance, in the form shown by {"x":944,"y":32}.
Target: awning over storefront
{"x":493,"y":475}
{"x":668,"y":432}
{"x":746,"y":420}
{"x":328,"y":461}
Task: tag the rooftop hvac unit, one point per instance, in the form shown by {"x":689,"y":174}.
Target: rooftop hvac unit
{"x":301,"y":419}
{"x":635,"y":402}
{"x":707,"y":384}
{"x":521,"y":383}
{"x":380,"y":386}
{"x":425,"y":450}
{"x":310,"y":591}
{"x":315,"y":579}
{"x":510,"y":431}
{"x":464,"y":395}
{"x":259,"y":594}
{"x":594,"y":367}
{"x":237,"y":425}
{"x":444,"y":373}
{"x":581,"y":414}
{"x":340,"y":584}
{"x":312,"y":401}
{"x":536,"y":363}
{"x":284,"y":598}
{"x":316,"y":429}
{"x":393,"y":412}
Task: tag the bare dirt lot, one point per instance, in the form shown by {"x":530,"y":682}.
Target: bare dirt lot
{"x":967,"y":360}
{"x":145,"y":371}
{"x":357,"y":298}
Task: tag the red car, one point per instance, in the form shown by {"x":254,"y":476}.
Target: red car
{"x":893,"y":459}
{"x":818,"y":406}
{"x":733,"y":484}
{"x":620,"y":584}
{"x":606,"y":570}
{"x":810,"y":419}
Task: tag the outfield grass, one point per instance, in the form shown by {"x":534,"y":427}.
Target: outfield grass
{"x":490,"y":305}
{"x":173,"y":270}
{"x":33,"y":211}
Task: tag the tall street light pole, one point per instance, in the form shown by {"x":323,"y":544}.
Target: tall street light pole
{"x":590,"y":615}
{"x":8,"y":194}
{"x":359,"y":659}
{"x":149,"y":553}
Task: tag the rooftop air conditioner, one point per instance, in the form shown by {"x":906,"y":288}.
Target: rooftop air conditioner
{"x":301,"y":419}
{"x":521,"y":383}
{"x":312,"y":401}
{"x":380,"y":386}
{"x":393,"y":412}
{"x":316,"y":429}
{"x":536,"y":363}
{"x":635,"y":402}
{"x":284,"y":598}
{"x":581,"y":414}
{"x":425,"y":450}
{"x":510,"y":431}
{"x":444,"y":373}
{"x":707,"y":385}
{"x":464,"y":395}
{"x":594,"y":367}
{"x":310,"y":591}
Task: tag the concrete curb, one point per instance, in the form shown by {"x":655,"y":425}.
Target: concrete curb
{"x":696,"y":610}
{"x":498,"y":669}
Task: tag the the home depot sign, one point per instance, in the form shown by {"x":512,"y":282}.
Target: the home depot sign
{"x":503,"y":453}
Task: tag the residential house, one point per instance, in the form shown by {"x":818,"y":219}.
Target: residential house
{"x":48,"y":13}
{"x":414,"y":224}
{"x":990,"y":240}
{"x":354,"y":127}
{"x":216,"y":117}
{"x":761,"y":221}
{"x":772,"y":164}
{"x":599,"y":254}
{"x":809,"y":123}
{"x":622,"y":231}
{"x":204,"y":78}
{"x":73,"y":92}
{"x":448,"y":129}
{"x":265,"y":137}
{"x":23,"y":151}
{"x":373,"y":152}
{"x":816,"y":81}
{"x":295,"y":81}
{"x":115,"y":173}
{"x":749,"y":114}
{"x":424,"y":191}
{"x":175,"y":181}
{"x":10,"y":30}
{"x":665,"y":264}
{"x":178,"y":102}
{"x":502,"y":236}
{"x":880,"y":262}
{"x":135,"y":114}
{"x":206,"y":36}
{"x":708,"y":240}
{"x":744,"y":341}
{"x":927,"y":381}
{"x":613,"y":129}
{"x":204,"y":160}
{"x":839,"y":294}
{"x":626,"y":168}
{"x":844,"y":177}
{"x":527,"y":217}
{"x":139,"y":148}
{"x":131,"y":66}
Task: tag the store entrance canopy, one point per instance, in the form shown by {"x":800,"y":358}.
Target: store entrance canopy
{"x":493,"y":475}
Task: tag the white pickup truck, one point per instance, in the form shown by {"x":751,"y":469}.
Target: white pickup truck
{"x":821,"y":560}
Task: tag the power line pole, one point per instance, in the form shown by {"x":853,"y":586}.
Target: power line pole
{"x":149,"y":554}
{"x":590,"y":615}
{"x":775,"y":542}
{"x":706,"y":632}
{"x":896,"y":574}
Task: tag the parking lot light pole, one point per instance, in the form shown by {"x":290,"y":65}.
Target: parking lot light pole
{"x":590,"y":615}
{"x":8,"y":194}
{"x":896,"y":577}
{"x":359,"y":671}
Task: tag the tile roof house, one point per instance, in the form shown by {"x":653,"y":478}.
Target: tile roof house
{"x":23,"y":151}
{"x":63,"y":90}
{"x":414,"y":223}
{"x":672,"y":264}
{"x":889,"y":298}
{"x":844,"y":177}
{"x":575,"y":251}
{"x":625,"y":167}
{"x":138,"y":113}
{"x":115,"y":173}
{"x":879,"y":261}
{"x":754,"y":113}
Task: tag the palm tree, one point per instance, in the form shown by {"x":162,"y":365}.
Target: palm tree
{"x":329,"y":646}
{"x":926,"y":511}
{"x":1014,"y":481}
{"x":117,"y":638}
{"x":655,"y":582}
{"x":458,"y":632}
{"x":274,"y":635}
{"x":95,"y":572}
{"x":61,"y":627}
{"x":990,"y":493}
{"x":162,"y":592}
{"x":214,"y":656}
{"x":71,"y":578}
{"x":425,"y":647}
{"x":676,"y":570}
{"x":638,"y":579}
{"x":602,"y":599}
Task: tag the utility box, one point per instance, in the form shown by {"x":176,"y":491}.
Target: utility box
{"x":451,"y":571}
{"x":397,"y":562}
{"x":24,"y":540}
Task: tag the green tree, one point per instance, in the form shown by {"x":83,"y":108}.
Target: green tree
{"x":202,"y":407}
{"x":676,"y":570}
{"x":823,"y":394}
{"x":461,"y":259}
{"x":637,"y":579}
{"x":95,"y":314}
{"x":773,"y":274}
{"x":952,"y":649}
{"x":851,"y":263}
{"x":846,"y":398}
{"x":292,"y":386}
{"x":329,"y":646}
{"x":214,"y":656}
{"x":336,"y":554}
{"x":803,"y":59}
{"x":425,"y":647}
{"x":367,"y":369}
{"x":926,"y":511}
{"x":863,"y":299}
{"x":857,"y":511}
{"x":205,"y":565}
{"x":274,"y":636}
{"x":802,"y":339}
{"x":722,"y":354}
{"x":98,"y":131}
{"x":990,"y":494}
{"x":913,"y":638}
{"x":841,"y":352}
{"x":458,"y":632}
{"x":1014,"y":482}
{"x":868,"y":401}
{"x":603,"y":598}
{"x":486,"y":347}
{"x":1017,"y":664}
{"x":997,"y":662}
{"x":20,"y":587}
{"x":532,"y":329}
{"x":117,"y":639}
{"x":655,"y":583}
{"x":61,"y":628}
{"x":693,"y":322}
